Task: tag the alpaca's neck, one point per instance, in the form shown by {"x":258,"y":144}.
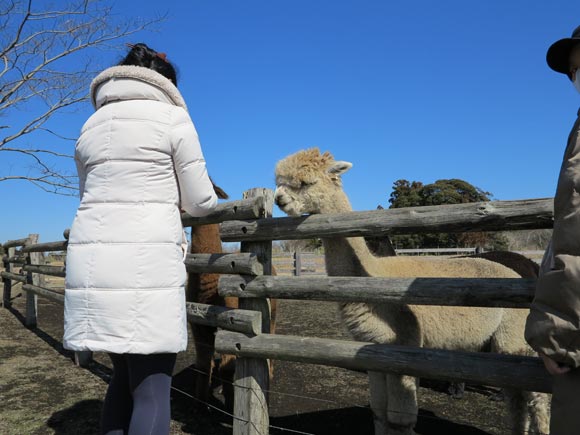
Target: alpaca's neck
{"x":335,"y":202}
{"x":346,"y":256}
{"x":205,"y":239}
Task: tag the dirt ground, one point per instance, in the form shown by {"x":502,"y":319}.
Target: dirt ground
{"x":43,"y":392}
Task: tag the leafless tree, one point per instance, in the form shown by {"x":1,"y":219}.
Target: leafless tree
{"x":46,"y":63}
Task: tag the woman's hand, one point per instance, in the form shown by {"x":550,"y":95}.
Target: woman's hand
{"x":552,"y":366}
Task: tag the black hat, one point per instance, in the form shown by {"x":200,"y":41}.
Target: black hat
{"x":559,"y":52}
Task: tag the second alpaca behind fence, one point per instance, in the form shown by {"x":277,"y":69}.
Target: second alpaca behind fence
{"x":203,"y":288}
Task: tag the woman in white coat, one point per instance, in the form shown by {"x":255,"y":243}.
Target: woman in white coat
{"x":139,"y":161}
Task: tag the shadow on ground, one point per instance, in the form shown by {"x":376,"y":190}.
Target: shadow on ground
{"x":47,"y":394}
{"x":82,"y":418}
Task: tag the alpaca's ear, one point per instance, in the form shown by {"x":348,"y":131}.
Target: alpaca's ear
{"x":339,"y":167}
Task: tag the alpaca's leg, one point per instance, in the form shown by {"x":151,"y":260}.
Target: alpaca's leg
{"x":530,"y":412}
{"x":539,"y":410}
{"x":520,"y":421}
{"x":402,"y":404}
{"x":204,"y":339}
{"x":378,"y":392}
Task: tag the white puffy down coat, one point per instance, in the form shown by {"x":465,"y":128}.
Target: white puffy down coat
{"x":139,"y":160}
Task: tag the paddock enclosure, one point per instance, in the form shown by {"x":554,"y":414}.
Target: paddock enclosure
{"x":247,"y":275}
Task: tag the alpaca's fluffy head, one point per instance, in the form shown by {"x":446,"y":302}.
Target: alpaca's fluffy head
{"x":307,"y":180}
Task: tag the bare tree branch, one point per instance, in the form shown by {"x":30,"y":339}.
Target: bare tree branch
{"x":43,"y":72}
{"x":35,"y":123}
{"x":45,"y":184}
{"x":37,"y":151}
{"x":71,"y":139}
{"x":19,"y":29}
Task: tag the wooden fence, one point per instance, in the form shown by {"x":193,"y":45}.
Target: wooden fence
{"x":23,"y":262}
{"x":247,"y":275}
{"x":300,"y":263}
{"x":525,"y":373}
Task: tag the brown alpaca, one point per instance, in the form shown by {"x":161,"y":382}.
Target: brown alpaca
{"x":203,"y":288}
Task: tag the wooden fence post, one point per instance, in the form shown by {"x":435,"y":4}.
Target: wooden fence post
{"x":34,"y":279}
{"x":297,"y":263}
{"x":7,"y":281}
{"x":251,"y":381}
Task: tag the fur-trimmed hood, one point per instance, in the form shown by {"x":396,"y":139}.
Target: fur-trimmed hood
{"x":127,"y":82}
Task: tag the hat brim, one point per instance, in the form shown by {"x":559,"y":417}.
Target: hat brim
{"x":559,"y":54}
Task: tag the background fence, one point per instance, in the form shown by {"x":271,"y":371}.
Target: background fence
{"x":299,"y":263}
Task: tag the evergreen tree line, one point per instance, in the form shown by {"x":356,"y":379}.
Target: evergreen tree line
{"x":447,"y":191}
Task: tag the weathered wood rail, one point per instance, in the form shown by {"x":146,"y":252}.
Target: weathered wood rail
{"x":245,"y":332}
{"x":477,"y":216}
{"x":468,"y":292}
{"x":476,"y":367}
{"x":28,"y":254}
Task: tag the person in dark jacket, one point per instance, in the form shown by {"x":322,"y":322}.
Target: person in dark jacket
{"x":553,"y":325}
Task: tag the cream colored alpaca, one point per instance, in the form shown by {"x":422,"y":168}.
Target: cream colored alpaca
{"x":309,"y":182}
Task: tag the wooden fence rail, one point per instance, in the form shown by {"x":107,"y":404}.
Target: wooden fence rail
{"x":506,"y":371}
{"x":479,"y":216}
{"x":7,"y":261}
{"x":245,"y":332}
{"x":469,"y":292}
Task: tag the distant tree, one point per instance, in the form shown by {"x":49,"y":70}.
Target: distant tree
{"x":406,"y":194}
{"x":42,"y":73}
{"x":446,"y":191}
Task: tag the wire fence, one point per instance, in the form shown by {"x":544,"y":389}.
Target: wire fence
{"x":497,"y":427}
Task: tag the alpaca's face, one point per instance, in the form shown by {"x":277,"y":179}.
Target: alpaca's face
{"x":295,"y":197}
{"x":308,"y":182}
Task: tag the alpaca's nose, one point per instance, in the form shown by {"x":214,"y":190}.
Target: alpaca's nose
{"x":278,"y":198}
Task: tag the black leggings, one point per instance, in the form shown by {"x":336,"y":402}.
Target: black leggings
{"x":137,"y":400}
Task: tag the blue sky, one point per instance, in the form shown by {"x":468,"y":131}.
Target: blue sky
{"x":419,"y":90}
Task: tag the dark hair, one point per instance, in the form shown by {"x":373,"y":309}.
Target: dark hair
{"x":142,"y":55}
